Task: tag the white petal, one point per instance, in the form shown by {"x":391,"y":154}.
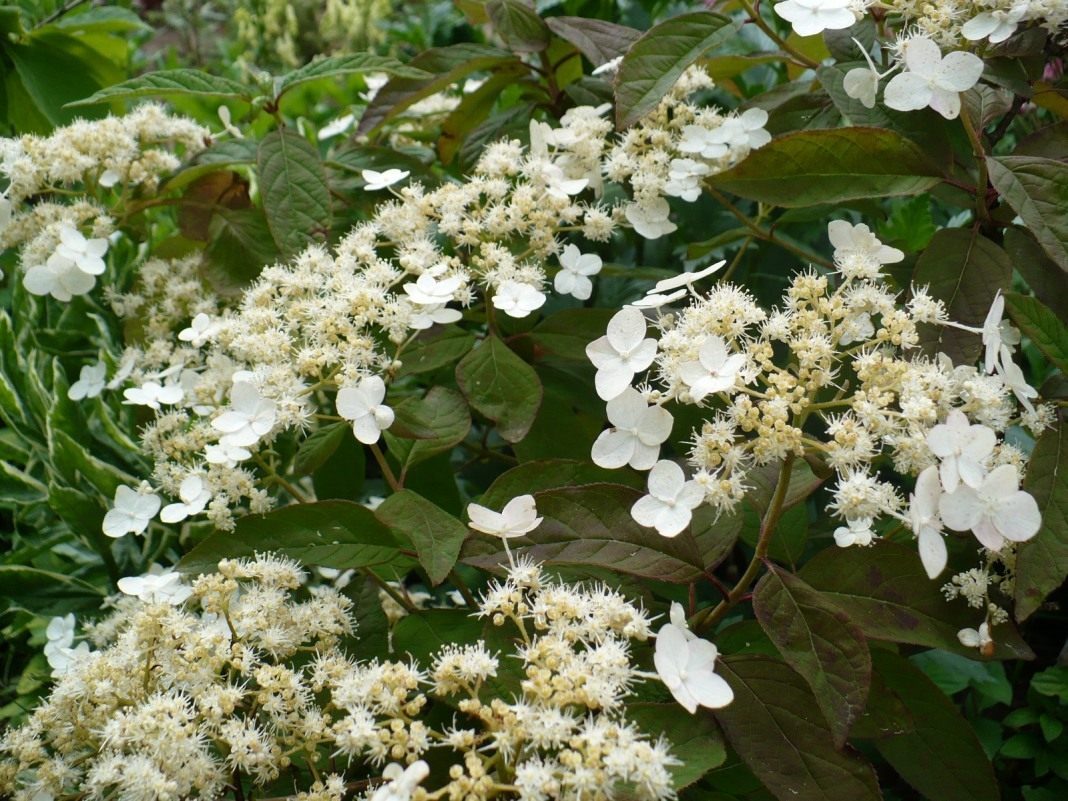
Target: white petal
{"x":666,"y":480}
{"x":960,"y":510}
{"x":485,"y":520}
{"x":1018,"y":518}
{"x":959,"y":71}
{"x":626,"y":329}
{"x":613,"y":449}
{"x":932,"y":551}
{"x":922,"y":56}
{"x":366,"y":429}
{"x":709,"y":689}
{"x":907,"y":92}
{"x":612,"y":381}
{"x":646,"y":510}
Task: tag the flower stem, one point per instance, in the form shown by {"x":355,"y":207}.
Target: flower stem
{"x":754,"y":15}
{"x":707,"y":619}
{"x":387,"y":471}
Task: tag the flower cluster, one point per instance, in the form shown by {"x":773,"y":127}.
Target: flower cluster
{"x":836,"y":374}
{"x":327,"y":332}
{"x":235,"y":679}
{"x":957,"y":22}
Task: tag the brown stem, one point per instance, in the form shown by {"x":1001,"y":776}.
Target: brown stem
{"x":767,"y":527}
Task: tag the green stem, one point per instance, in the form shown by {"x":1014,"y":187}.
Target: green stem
{"x":767,"y":528}
{"x":767,"y":235}
{"x":982,"y":211}
{"x":387,"y":471}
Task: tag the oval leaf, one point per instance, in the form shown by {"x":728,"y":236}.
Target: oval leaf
{"x":964,"y":270}
{"x":654,"y":62}
{"x":1042,"y":562}
{"x":831,"y":166}
{"x":597,"y":40}
{"x":501,"y":386}
{"x":776,"y":727}
{"x":338,"y":534}
{"x":296,"y":198}
{"x":592,"y":526}
{"x":1037,"y":190}
{"x":436,"y":535}
{"x":354,"y":64}
{"x":165,"y":83}
{"x":820,"y":642}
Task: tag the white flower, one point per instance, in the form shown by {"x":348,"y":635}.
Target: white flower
{"x":429,"y":290}
{"x":621,"y":353}
{"x":655,"y":300}
{"x":249,"y":417}
{"x":161,"y":588}
{"x":609,"y":66}
{"x":970,"y":638}
{"x":362,"y":404}
{"x":685,"y":664}
{"x":685,"y":179}
{"x":558,"y":185}
{"x":380,"y":180}
{"x":698,"y":139}
{"x":228,"y":123}
{"x":126,"y":366}
{"x":131,"y":513}
{"x":862,"y":83}
{"x":428,"y":316}
{"x":925,"y":522}
{"x":716,"y":371}
{"x":90,"y":382}
{"x":402,"y":782}
{"x":60,"y":632}
{"x":59,"y":278}
{"x":335,"y":127}
{"x":1014,"y":379}
{"x":856,"y":245}
{"x":932,"y":80}
{"x":61,"y":660}
{"x":226,"y":454}
{"x":200,"y":330}
{"x":638,"y":430}
{"x":671,"y":500}
{"x":963,"y":449}
{"x":518,"y":517}
{"x":809,"y":17}
{"x":999,"y":336}
{"x":517,"y":299}
{"x":684,"y":280}
{"x":85,"y":254}
{"x":575,"y":269}
{"x":744,"y":131}
{"x":108,"y":178}
{"x":995,"y":26}
{"x":854,"y":532}
{"x":153,"y":394}
{"x":651,"y":219}
{"x":995,"y":511}
{"x":195,"y":494}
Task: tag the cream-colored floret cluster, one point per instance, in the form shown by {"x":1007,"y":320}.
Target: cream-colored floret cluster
{"x":247,"y":680}
{"x":942,"y":20}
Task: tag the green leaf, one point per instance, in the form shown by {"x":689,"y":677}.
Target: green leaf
{"x":597,"y":40}
{"x":964,"y":270}
{"x":446,"y":64}
{"x":436,"y":348}
{"x":240,"y":246}
{"x":1037,"y":190}
{"x":885,"y":591}
{"x":338,"y":534}
{"x":501,"y":386}
{"x":45,"y":592}
{"x":775,"y":726}
{"x":72,"y":459}
{"x":1042,"y":562}
{"x":909,"y":225}
{"x":102,"y":19}
{"x":354,"y":64}
{"x":591,"y":525}
{"x":165,"y":83}
{"x":820,"y":642}
{"x":952,"y":673}
{"x":319,"y":447}
{"x":18,"y":487}
{"x":1041,"y":273}
{"x":55,"y":71}
{"x":1041,"y":326}
{"x":546,"y":474}
{"x":567,"y":333}
{"x":942,"y":757}
{"x":473,"y":109}
{"x":654,"y":62}
{"x":296,"y":198}
{"x":341,"y":476}
{"x":519,"y":25}
{"x":441,"y":420}
{"x":436,"y":535}
{"x":831,"y":166}
{"x":694,"y":740}
{"x":1052,"y":682}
